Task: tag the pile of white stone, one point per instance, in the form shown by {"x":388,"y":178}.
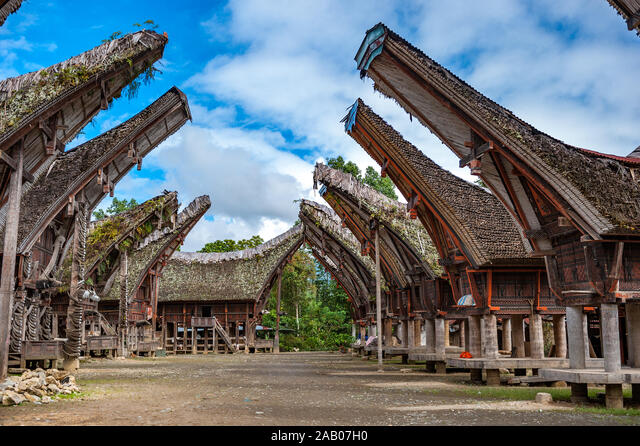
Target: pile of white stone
{"x":37,"y":386}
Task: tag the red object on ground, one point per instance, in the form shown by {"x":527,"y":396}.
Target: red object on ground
{"x":466,"y":355}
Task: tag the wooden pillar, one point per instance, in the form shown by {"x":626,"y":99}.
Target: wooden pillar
{"x":560,"y":335}
{"x":633,"y":336}
{"x":576,"y":327}
{"x":439,"y":332}
{"x":156,"y":286}
{"x":276,"y":338}
{"x":490,"y":337}
{"x":517,"y":335}
{"x":194,"y":340}
{"x":71,"y":347}
{"x":378,"y":300}
{"x":123,"y":304}
{"x":9,"y":259}
{"x":430,"y":333}
{"x":215,"y":340}
{"x":411,"y":342}
{"x":387,"y":331}
{"x":536,"y":337}
{"x":610,"y":336}
{"x":417,"y":332}
{"x":506,"y":334}
{"x":475,"y":337}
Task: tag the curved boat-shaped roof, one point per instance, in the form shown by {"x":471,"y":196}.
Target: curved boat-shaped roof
{"x":8,"y":7}
{"x":46,"y":109}
{"x":157,"y":247}
{"x":478,"y":223}
{"x":245,"y":275}
{"x":113,"y":153}
{"x":338,"y":251}
{"x":598,"y":192}
{"x":630,"y":12}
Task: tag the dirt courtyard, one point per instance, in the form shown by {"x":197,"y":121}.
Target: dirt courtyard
{"x":285,"y":389}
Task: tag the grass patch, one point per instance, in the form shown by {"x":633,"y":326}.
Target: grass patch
{"x":516,"y":393}
{"x":71,"y":396}
{"x":529,"y":393}
{"x":605,"y":411}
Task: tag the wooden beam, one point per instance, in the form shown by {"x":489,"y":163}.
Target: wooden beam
{"x":9,"y":258}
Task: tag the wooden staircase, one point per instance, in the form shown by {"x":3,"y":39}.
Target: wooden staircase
{"x":106,"y":326}
{"x":225,"y":336}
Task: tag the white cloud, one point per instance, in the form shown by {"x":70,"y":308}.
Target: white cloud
{"x":569,"y":68}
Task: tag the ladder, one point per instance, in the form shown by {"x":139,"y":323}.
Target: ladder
{"x":223,"y":334}
{"x":106,"y":326}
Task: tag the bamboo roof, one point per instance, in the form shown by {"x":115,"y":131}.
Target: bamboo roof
{"x":46,"y":109}
{"x":74,"y":172}
{"x":597,"y":189}
{"x":483,"y":226}
{"x":244,"y":275}
{"x":630,"y":12}
{"x":8,"y":7}
{"x":156,"y":248}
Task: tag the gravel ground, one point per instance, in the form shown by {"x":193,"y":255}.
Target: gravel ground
{"x":285,"y":389}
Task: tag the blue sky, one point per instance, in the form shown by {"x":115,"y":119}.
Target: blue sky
{"x":268,"y":83}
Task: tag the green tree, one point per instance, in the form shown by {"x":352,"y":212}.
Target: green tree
{"x":117,"y":207}
{"x":317,"y":310}
{"x":348,"y":167}
{"x":229,"y":245}
{"x":371,"y":177}
{"x":383,"y":185}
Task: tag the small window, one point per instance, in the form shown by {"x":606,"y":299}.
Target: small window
{"x":206,"y":311}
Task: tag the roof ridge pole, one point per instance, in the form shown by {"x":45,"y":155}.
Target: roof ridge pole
{"x":378,"y":302}
{"x":9,"y":258}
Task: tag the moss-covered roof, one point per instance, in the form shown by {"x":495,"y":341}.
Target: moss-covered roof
{"x":389,"y":212}
{"x":156,"y":244}
{"x":598,"y":187}
{"x":109,"y":233}
{"x":227,"y":276}
{"x":8,"y":7}
{"x":71,"y":170}
{"x":30,"y":93}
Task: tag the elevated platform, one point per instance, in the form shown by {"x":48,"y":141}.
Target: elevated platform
{"x":507,"y":363}
{"x":595,"y":375}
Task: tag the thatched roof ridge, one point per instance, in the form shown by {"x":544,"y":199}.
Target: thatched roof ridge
{"x":390,"y":212}
{"x":630,"y":12}
{"x":235,"y":276}
{"x":161,"y":242}
{"x":327,"y":219}
{"x":29,"y":94}
{"x":482,"y":223}
{"x":107,"y":234}
{"x":8,"y":7}
{"x":72,"y":170}
{"x":244,"y":254}
{"x":608,"y":202}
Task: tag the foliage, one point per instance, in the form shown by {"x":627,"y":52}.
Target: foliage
{"x":383,"y":185}
{"x":229,"y":245}
{"x":371,"y":177}
{"x":480,"y":183}
{"x":117,"y":207}
{"x":323,"y":321}
{"x":348,"y":167}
